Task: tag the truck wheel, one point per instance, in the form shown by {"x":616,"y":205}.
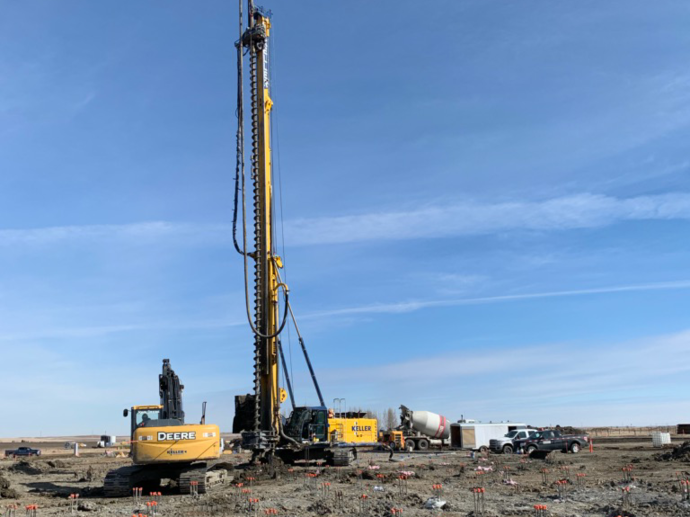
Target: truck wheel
{"x":575,"y":448}
{"x":409,"y":445}
{"x":393,"y":446}
{"x":423,"y":444}
{"x":483,"y":449}
{"x":531,"y":449}
{"x":507,"y":449}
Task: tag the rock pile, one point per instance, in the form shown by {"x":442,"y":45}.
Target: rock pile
{"x":5,"y":491}
{"x":679,"y":453}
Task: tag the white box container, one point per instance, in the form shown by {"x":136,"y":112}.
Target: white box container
{"x":476,"y":436}
{"x":660,"y":439}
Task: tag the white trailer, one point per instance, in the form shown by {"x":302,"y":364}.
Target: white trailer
{"x":476,"y":436}
{"x":107,"y":440}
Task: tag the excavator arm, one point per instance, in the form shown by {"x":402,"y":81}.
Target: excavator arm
{"x":170,"y":391}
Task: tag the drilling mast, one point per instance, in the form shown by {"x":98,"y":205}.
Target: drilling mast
{"x":310,"y":432}
{"x":263,"y":438}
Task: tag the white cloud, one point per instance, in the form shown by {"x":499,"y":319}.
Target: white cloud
{"x":77,"y":332}
{"x":464,"y":218}
{"x":18,"y":330}
{"x":103,"y":232}
{"x":411,"y":305}
{"x":472,"y":218}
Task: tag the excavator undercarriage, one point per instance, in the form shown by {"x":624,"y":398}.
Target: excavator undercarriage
{"x":121,"y":482}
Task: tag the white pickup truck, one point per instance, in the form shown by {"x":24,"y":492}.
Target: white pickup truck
{"x":505,"y":444}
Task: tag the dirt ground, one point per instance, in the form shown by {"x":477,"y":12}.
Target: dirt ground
{"x":512,"y":485}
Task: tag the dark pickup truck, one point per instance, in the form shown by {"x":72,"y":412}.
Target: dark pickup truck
{"x":553,"y":441}
{"x":22,"y":451}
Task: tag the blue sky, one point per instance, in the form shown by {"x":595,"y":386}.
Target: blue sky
{"x":486,"y":208}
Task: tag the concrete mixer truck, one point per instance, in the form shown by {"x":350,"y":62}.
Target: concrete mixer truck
{"x":417,"y":431}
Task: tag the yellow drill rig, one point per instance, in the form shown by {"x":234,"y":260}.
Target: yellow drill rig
{"x":165,"y":447}
{"x":309,"y":433}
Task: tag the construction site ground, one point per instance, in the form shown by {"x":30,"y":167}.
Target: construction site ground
{"x":512,"y":485}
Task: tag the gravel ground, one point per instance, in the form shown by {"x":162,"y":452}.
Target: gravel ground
{"x":595,"y":485}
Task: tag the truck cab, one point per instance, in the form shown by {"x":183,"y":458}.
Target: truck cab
{"x":553,"y":440}
{"x":506,"y":444}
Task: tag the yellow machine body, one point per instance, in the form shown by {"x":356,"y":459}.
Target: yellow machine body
{"x":395,"y":439}
{"x":353,"y":430}
{"x":149,"y":407}
{"x":184,"y":443}
{"x":177,"y":443}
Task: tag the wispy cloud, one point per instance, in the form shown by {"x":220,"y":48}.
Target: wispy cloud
{"x":412,"y":305}
{"x":147,"y":231}
{"x":90,"y":331}
{"x":459,"y":219}
{"x":80,"y":332}
{"x":473,"y":218}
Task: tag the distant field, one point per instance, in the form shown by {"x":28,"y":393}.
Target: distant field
{"x":56,"y":439}
{"x":622,"y":432}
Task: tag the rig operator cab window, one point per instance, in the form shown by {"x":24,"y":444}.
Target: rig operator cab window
{"x":307,"y":424}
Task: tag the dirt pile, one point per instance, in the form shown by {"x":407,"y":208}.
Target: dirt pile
{"x":679,"y":453}
{"x":6,"y":492}
{"x":30,"y":468}
{"x":568,"y":429}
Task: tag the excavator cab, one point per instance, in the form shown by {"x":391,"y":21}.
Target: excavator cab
{"x":142,"y":416}
{"x":307,"y":424}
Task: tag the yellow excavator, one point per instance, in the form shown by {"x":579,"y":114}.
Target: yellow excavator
{"x":165,"y":447}
{"x":309,"y":433}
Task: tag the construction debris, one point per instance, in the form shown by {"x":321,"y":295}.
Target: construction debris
{"x":6,"y":492}
{"x":679,"y":453}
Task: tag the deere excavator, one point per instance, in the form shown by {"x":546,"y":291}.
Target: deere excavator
{"x":309,"y":433}
{"x":163,"y":446}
